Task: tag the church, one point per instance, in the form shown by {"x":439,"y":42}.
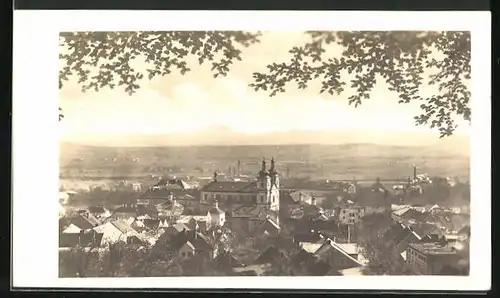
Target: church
{"x":253,"y":200}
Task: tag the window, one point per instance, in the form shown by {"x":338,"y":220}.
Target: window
{"x":183,"y":254}
{"x":205,"y":196}
{"x":274,"y":199}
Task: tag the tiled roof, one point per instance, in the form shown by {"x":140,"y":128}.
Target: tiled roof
{"x":310,"y":247}
{"x":329,"y":244}
{"x":197,"y":240}
{"x":433,"y":248}
{"x":231,"y":186}
{"x":425,"y":229}
{"x":270,"y":255}
{"x":180,"y":227}
{"x":270,"y":226}
{"x":401,"y":211}
{"x":151,"y":223}
{"x":84,"y":222}
{"x":249,"y":211}
{"x":185,"y":219}
{"x":311,"y":237}
{"x":350,"y":248}
{"x":286,"y":198}
{"x":87,"y":239}
{"x":125,"y":228}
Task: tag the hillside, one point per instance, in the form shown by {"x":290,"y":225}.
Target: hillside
{"x":330,"y":161}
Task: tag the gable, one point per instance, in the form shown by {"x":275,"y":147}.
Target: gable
{"x":107,"y":228}
{"x":71,"y":229}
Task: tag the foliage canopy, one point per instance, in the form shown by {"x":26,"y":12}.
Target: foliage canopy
{"x":406,"y":60}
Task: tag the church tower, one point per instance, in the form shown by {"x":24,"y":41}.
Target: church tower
{"x":263,"y":179}
{"x":274,"y":190}
{"x":268,"y":184}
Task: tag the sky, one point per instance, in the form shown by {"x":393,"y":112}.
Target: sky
{"x":196,"y":102}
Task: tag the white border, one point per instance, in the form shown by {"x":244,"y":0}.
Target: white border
{"x":35,"y":137}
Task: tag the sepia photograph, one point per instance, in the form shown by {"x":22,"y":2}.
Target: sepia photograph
{"x":264,"y":153}
{"x":304,"y":153}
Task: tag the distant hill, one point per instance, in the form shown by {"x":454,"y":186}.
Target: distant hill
{"x":222,"y":136}
{"x":342,"y":161}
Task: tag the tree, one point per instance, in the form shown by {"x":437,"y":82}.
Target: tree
{"x":401,"y":58}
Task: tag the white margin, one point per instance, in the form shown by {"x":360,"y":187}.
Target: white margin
{"x":36,"y":133}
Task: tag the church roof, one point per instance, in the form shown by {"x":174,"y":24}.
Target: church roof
{"x":231,"y":186}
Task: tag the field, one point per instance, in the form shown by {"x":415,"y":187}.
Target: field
{"x":336,"y":162}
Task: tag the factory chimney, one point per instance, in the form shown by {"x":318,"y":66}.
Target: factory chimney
{"x":414,"y":172}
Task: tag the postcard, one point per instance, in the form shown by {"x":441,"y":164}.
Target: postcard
{"x":348,"y":151}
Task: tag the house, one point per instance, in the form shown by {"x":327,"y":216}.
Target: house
{"x":151,"y":211}
{"x":337,"y":257}
{"x":119,"y":231}
{"x":397,"y":215}
{"x":169,"y":209}
{"x":398,"y":236}
{"x":172,"y":230}
{"x":126,"y":210}
{"x":324,"y":187}
{"x":79,"y":222}
{"x":99,"y":212}
{"x":306,"y":263}
{"x":193,"y":221}
{"x":272,"y":255}
{"x":268,"y":228}
{"x":308,"y":237}
{"x":349,"y":214}
{"x":431,"y":258}
{"x":226,"y":261}
{"x":186,"y":244}
{"x":215,"y":216}
{"x":167,"y":193}
{"x":146,"y":224}
{"x":245,"y":219}
{"x":89,"y":239}
{"x":262,"y":191}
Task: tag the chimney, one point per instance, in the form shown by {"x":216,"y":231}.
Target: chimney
{"x":215,"y":176}
{"x":216,"y":204}
{"x":415,"y":172}
{"x":239,"y":168}
{"x":313,"y":200}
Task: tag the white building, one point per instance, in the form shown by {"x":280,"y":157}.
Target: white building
{"x":350,"y":214}
{"x":216,"y":216}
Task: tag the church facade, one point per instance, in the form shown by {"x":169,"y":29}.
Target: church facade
{"x":262,"y":192}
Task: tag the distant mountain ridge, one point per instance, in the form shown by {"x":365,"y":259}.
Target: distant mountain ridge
{"x":217,"y":136}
